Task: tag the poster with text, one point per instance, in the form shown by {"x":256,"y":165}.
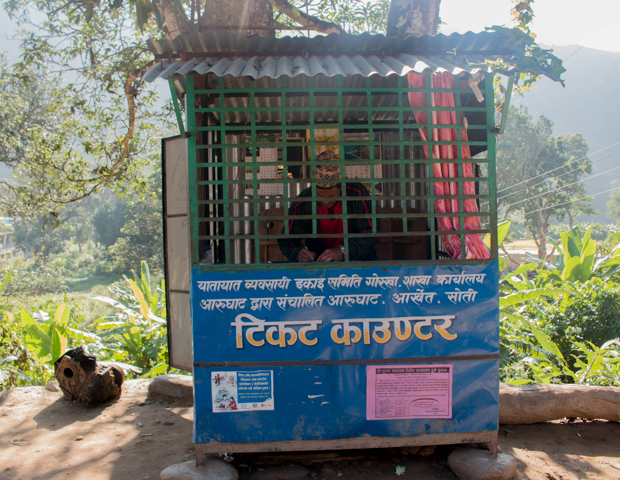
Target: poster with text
{"x":242,"y":391}
{"x":411,"y":391}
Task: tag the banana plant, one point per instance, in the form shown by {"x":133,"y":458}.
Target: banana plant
{"x":51,"y":336}
{"x":577,"y":261}
{"x":8,"y":368}
{"x":136,"y":333}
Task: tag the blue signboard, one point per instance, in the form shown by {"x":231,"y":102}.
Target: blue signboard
{"x":315,"y":354}
{"x":335,"y":314}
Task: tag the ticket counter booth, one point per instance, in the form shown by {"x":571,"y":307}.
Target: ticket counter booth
{"x":398,"y":351}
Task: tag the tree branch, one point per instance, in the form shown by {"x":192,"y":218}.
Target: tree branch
{"x":304,"y":19}
{"x":131,"y":105}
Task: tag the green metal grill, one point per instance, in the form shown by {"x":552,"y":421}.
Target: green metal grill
{"x":235,"y":178}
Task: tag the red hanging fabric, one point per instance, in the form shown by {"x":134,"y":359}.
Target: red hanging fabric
{"x":475,"y":247}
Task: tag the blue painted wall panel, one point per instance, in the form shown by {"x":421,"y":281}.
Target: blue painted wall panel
{"x":341,"y":410}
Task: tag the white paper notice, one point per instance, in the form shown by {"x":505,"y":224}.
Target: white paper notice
{"x":242,"y":391}
{"x":408,"y":391}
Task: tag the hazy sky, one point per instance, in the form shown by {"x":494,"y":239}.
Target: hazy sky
{"x":591,"y":23}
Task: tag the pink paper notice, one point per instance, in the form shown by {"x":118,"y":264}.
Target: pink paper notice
{"x":408,"y":391}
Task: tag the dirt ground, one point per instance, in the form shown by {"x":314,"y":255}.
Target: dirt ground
{"x":44,"y":437}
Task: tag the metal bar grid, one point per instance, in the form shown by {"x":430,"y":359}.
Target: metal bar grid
{"x":275,"y":125}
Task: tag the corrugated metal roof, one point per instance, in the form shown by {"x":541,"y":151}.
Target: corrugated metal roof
{"x":224,"y":54}
{"x":329,"y":66}
{"x":237,"y":45}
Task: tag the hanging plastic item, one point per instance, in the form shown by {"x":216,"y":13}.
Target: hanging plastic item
{"x":475,"y":247}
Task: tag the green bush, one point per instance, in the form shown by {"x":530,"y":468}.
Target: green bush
{"x":37,"y":276}
{"x":136,"y":334}
{"x":560,"y":323}
{"x":590,"y":312}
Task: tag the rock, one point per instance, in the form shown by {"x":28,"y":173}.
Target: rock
{"x":544,"y":402}
{"x":173,"y":387}
{"x":427,"y":451}
{"x":288,"y":472}
{"x":411,"y":450}
{"x":52,"y":386}
{"x":475,"y":464}
{"x":213,"y":469}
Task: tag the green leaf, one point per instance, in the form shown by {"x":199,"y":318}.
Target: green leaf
{"x":572,"y":268}
{"x":502,"y":264}
{"x":609,"y":343}
{"x":526,"y":295}
{"x":59,"y":345}
{"x":520,"y":382}
{"x":527,"y":267}
{"x":587,"y":258}
{"x":62,"y":315}
{"x":546,"y":343}
{"x":502,"y":230}
{"x":125,"y":366}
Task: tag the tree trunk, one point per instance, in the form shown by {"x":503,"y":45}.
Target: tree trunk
{"x":175,"y":21}
{"x":570,"y":218}
{"x":545,"y":402}
{"x":542,"y":243}
{"x":236,"y":15}
{"x":413,"y":18}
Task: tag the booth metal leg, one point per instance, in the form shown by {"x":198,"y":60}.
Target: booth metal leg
{"x":200,"y":454}
{"x":493,"y":444}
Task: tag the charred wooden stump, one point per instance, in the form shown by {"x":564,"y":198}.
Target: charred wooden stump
{"x":81,"y":378}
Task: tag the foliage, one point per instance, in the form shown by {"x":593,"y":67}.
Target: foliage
{"x":556,"y":321}
{"x":30,"y":342}
{"x":540,"y":174}
{"x":107,"y":120}
{"x":587,"y":313}
{"x":614,"y":205}
{"x":100,"y":234}
{"x":29,"y":102}
{"x":354,"y":16}
{"x":36,"y":277}
{"x":601,"y":232}
{"x":530,"y":58}
{"x":141,"y":237}
{"x":136,"y":334}
{"x":590,"y":365}
{"x":17,"y":363}
{"x":53,"y":330}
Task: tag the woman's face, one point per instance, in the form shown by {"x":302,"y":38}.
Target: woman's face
{"x":327,"y":193}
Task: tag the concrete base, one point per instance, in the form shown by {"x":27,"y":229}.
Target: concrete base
{"x":475,"y":464}
{"x":214,"y":469}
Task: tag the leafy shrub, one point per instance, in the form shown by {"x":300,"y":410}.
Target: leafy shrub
{"x":557,"y":321}
{"x":36,"y":277}
{"x":136,"y":335}
{"x":590,"y":312}
{"x":87,"y":259}
{"x":31,"y":341}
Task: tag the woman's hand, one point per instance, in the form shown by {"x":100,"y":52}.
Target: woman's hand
{"x":331,"y":255}
{"x":306,"y":256}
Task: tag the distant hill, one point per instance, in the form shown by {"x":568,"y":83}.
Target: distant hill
{"x":590,"y":105}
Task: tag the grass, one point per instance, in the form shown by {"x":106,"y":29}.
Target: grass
{"x":88,"y":283}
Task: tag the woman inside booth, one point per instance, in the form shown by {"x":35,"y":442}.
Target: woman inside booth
{"x":330,"y":249}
